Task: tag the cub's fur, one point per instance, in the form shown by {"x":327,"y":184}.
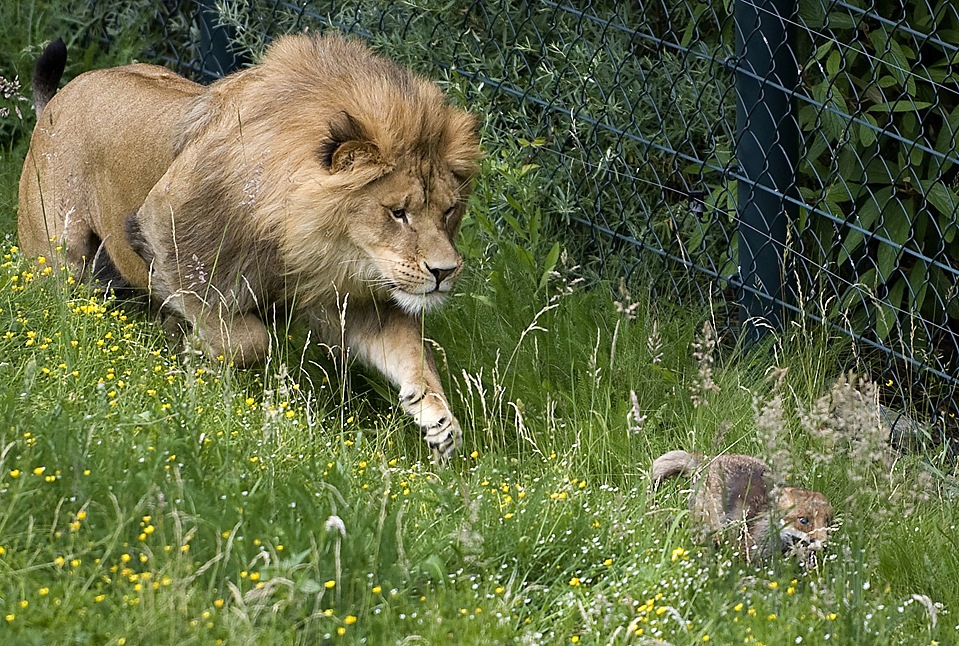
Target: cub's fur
{"x":733,"y":492}
{"x":327,"y":180}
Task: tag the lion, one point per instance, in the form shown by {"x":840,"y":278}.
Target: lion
{"x":326,"y":181}
{"x":733,"y":492}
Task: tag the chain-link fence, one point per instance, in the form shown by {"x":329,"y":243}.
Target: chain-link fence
{"x":786,"y":159}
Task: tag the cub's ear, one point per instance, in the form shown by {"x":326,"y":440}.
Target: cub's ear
{"x":348,"y":147}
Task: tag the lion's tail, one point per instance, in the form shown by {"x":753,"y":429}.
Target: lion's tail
{"x":673,"y":464}
{"x":47,"y":73}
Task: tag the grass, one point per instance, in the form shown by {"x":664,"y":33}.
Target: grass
{"x":149,"y":495}
{"x":152,"y":496}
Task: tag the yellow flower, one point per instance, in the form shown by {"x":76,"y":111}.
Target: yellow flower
{"x":350,"y":620}
{"x":218,"y":603}
{"x":329,"y":585}
{"x":15,"y":473}
{"x":43,"y":592}
{"x":376,"y":589}
{"x":574,"y":581}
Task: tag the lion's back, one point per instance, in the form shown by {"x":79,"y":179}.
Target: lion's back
{"x":99,"y":146}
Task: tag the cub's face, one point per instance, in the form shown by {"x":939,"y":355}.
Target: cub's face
{"x":806,"y":519}
{"x":406,"y":229}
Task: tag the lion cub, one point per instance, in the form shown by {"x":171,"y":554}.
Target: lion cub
{"x":733,"y":492}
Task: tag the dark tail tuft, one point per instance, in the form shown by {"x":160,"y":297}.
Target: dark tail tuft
{"x":47,"y":73}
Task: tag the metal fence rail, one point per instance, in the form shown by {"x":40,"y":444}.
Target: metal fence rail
{"x":794,"y":157}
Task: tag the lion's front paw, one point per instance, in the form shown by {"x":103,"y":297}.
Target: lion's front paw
{"x":431,"y":412}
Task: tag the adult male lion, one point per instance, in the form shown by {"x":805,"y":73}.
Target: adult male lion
{"x":324,"y":179}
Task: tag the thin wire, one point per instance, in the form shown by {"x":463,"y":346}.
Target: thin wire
{"x":876,"y":59}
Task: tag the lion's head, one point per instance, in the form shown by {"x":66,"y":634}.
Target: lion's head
{"x":356,"y":168}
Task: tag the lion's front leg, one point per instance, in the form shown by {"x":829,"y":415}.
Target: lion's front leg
{"x":432,"y":413}
{"x":391,"y":342}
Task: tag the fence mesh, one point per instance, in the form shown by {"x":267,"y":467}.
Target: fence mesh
{"x":629,"y":108}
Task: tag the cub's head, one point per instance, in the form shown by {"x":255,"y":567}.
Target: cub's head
{"x":806,"y":519}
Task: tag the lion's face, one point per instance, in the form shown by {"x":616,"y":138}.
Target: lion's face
{"x":405,"y":224}
{"x":382,"y":215}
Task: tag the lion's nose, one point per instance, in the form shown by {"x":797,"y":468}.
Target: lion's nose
{"x":441,"y":273}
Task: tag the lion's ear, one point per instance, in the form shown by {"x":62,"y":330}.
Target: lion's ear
{"x":348,"y":146}
{"x":355,"y":155}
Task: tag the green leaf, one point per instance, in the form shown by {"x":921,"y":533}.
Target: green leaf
{"x":918,"y":285}
{"x":902,"y":105}
{"x":834,"y":114}
{"x":942,"y":197}
{"x":887,"y":311}
{"x":897,"y":216}
{"x":867,"y":134}
{"x":549,"y":265}
{"x":833,"y":63}
{"x":867,"y":216}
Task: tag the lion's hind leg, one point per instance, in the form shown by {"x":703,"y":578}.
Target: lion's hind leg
{"x":241,"y":338}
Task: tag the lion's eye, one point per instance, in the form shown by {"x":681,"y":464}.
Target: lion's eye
{"x":400,"y":215}
{"x":803,"y":520}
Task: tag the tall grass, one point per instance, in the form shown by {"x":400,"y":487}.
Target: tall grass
{"x":149,"y":495}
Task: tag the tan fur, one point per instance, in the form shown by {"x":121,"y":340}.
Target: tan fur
{"x":733,"y":492}
{"x":324,"y":177}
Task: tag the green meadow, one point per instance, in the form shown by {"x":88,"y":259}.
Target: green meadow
{"x":149,"y":495}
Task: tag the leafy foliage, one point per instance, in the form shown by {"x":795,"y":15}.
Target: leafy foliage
{"x":880,"y":116}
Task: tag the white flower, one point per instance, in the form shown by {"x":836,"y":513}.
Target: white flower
{"x":334,"y":522}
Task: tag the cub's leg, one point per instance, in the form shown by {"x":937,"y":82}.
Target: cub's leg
{"x":391,"y":342}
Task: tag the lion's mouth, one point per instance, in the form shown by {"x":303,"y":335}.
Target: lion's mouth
{"x":418,"y":302}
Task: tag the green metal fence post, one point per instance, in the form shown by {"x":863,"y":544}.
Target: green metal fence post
{"x":217,"y":59}
{"x":767,"y":135}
